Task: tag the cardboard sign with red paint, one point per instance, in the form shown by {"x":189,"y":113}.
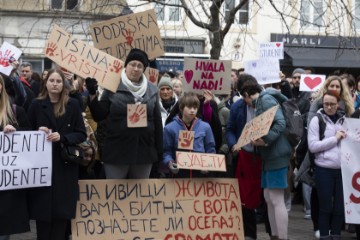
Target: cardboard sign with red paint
{"x":136,"y":115}
{"x":82,"y":59}
{"x":272,"y":50}
{"x":201,"y":161}
{"x":213,"y":75}
{"x":8,"y":54}
{"x":152,"y":74}
{"x":350,"y":169}
{"x":119,"y":35}
{"x":161,"y":209}
{"x":186,"y":140}
{"x":311,"y":82}
{"x":257,"y":127}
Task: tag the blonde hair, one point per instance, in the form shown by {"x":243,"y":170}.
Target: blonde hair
{"x":6,"y":113}
{"x":59,"y":107}
{"x":344,"y":94}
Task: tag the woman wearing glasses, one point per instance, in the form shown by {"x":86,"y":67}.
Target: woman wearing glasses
{"x":134,"y":127}
{"x":327,"y":165}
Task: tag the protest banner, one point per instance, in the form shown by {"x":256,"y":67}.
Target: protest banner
{"x":273,"y":50}
{"x":350,"y":169}
{"x":152,"y":74}
{"x":213,"y":75}
{"x":265,"y":70}
{"x":82,"y":59}
{"x":257,"y":127}
{"x":165,"y":209}
{"x":25,"y":160}
{"x":311,"y":82}
{"x":8,"y":53}
{"x":119,"y":35}
{"x":201,"y":161}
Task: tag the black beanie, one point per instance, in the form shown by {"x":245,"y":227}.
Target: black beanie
{"x":138,"y":55}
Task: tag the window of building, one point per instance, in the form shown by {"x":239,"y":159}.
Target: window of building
{"x":357,"y":13}
{"x":243,"y":13}
{"x":312,"y":13}
{"x":65,"y":4}
{"x":168,"y":11}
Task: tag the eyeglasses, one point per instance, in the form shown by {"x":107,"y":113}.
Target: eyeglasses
{"x":331,"y":105}
{"x":136,"y":65}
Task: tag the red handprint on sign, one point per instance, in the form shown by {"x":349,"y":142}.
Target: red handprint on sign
{"x":129,"y":36}
{"x":186,"y":139}
{"x":117,"y":66}
{"x":153,"y":75}
{"x":4,"y":58}
{"x":138,"y":114}
{"x":51,"y":48}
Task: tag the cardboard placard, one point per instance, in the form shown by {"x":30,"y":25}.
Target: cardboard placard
{"x":136,"y":115}
{"x":311,"y":82}
{"x":213,"y":75}
{"x":82,"y":59}
{"x":350,"y":169}
{"x":201,"y":161}
{"x":257,"y":127}
{"x":273,"y":50}
{"x":25,"y":160}
{"x":152,"y":74}
{"x":8,"y":53}
{"x":161,"y":209}
{"x":119,"y":35}
{"x":265,"y":70}
{"x":186,"y":140}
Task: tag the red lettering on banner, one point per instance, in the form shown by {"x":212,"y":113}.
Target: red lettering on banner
{"x":214,"y":236}
{"x":356,"y":186}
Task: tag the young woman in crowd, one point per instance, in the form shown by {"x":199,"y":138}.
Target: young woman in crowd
{"x":60,"y":118}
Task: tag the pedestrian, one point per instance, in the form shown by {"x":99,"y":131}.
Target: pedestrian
{"x":14,"y":216}
{"x":129,"y":151}
{"x":328,"y":166}
{"x":60,"y":118}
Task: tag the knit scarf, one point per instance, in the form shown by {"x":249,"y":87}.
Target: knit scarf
{"x":138,"y":90}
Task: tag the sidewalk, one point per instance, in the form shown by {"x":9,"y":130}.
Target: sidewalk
{"x":299,"y":228}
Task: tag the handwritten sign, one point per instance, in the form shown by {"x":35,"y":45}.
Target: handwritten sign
{"x":25,"y":160}
{"x":213,"y":75}
{"x":265,"y":70}
{"x":163,"y":209}
{"x":273,"y":50}
{"x":152,"y":74}
{"x":201,"y":161}
{"x":257,"y":127}
{"x":136,"y":115}
{"x":82,"y":59}
{"x":8,"y":53}
{"x":186,"y":140}
{"x":350,"y":169}
{"x":119,"y":35}
{"x":311,"y":82}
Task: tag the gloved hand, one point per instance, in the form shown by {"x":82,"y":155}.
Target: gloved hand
{"x":173,"y":167}
{"x":91,"y":85}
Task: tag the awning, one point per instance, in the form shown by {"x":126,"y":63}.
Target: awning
{"x":323,"y":57}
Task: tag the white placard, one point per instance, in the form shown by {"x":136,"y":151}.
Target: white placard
{"x":273,"y":50}
{"x":350,"y":169}
{"x":311,"y":82}
{"x":265,"y":70}
{"x":25,"y":160}
{"x":7,"y":52}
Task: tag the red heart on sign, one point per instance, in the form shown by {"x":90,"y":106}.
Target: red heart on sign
{"x":278,"y":44}
{"x":312,"y":82}
{"x":188,"y":75}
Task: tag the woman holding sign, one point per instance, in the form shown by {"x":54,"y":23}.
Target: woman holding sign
{"x":13,"y":211}
{"x":60,"y":118}
{"x":134,"y":127}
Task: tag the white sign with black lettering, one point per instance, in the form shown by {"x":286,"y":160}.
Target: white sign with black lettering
{"x":25,"y":160}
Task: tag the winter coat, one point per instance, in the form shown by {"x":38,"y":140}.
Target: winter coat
{"x":59,"y":200}
{"x":14,"y":217}
{"x":203,"y":138}
{"x":123,"y":145}
{"x":236,"y":123}
{"x":327,"y":151}
{"x":164,"y":113}
{"x":278,"y":151}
